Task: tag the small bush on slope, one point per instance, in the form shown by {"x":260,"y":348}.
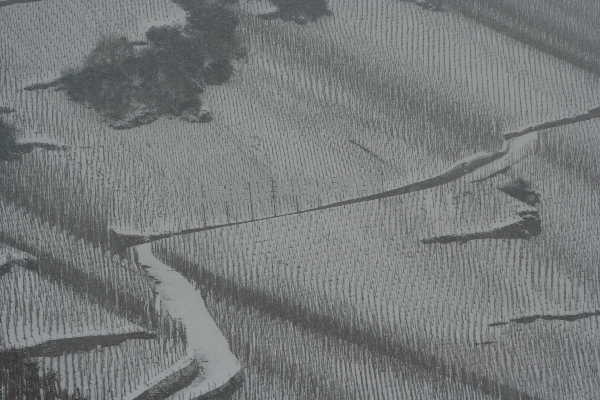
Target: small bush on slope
{"x":135,"y":87}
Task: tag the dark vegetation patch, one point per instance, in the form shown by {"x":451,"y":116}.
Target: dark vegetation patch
{"x":21,"y":379}
{"x":299,"y":11}
{"x":8,"y":145}
{"x":521,"y":190}
{"x":133,"y":83}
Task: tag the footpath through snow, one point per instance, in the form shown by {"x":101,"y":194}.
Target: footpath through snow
{"x":205,"y":342}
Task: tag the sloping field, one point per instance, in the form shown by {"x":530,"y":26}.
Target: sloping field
{"x":287,"y":360}
{"x":361,"y":273}
{"x":92,"y":351}
{"x":62,"y":325}
{"x":36,"y":311}
{"x":438,"y":113}
{"x":566,"y":30}
{"x":380,"y":89}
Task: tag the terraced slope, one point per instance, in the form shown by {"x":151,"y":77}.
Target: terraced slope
{"x":565,"y":30}
{"x":382,"y":89}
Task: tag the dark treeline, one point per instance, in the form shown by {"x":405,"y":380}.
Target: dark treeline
{"x":135,"y":82}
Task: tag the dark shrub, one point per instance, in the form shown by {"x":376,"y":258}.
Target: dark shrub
{"x":104,"y":82}
{"x":110,"y":53}
{"x":217,"y":27}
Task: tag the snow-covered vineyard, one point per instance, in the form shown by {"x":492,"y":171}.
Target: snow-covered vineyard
{"x":351,"y":199}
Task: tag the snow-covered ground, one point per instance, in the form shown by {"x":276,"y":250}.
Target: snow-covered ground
{"x":36,"y":310}
{"x":417,"y":91}
{"x":182,"y":301}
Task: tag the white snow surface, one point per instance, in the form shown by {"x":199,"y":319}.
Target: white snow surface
{"x":180,"y":365}
{"x":42,"y":141}
{"x":29,"y":300}
{"x":183,"y":301}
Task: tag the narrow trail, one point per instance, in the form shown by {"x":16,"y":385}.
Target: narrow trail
{"x":486,"y":164}
{"x":205,"y":342}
